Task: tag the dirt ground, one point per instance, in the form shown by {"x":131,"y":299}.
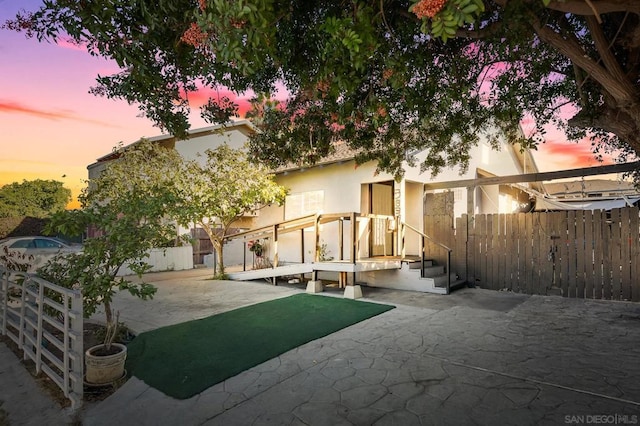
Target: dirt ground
{"x":93,"y":335}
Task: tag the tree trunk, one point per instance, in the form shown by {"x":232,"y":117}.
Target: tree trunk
{"x":620,"y":114}
{"x":108,"y":312}
{"x":216,"y":242}
{"x":217,"y":246}
{"x":623,"y":124}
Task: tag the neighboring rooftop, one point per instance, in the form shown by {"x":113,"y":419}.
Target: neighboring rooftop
{"x":585,"y":188}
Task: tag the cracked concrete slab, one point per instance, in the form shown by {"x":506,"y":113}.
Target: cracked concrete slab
{"x":474,"y":357}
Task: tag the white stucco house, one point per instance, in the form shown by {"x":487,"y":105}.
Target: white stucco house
{"x":368,"y":224}
{"x":235,"y":135}
{"x":379,"y":242}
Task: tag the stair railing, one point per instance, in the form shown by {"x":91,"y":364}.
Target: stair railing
{"x":423,"y":238}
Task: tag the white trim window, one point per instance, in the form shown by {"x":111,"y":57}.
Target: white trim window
{"x":303,"y":204}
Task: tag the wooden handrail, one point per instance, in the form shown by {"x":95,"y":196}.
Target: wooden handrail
{"x":422,"y":258}
{"x":300,"y":223}
{"x":294,"y":225}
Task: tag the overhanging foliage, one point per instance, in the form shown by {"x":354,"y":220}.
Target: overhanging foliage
{"x":372,"y":73}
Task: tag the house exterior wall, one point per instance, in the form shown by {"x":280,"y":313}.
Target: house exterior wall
{"x":96,"y":169}
{"x":344,"y":186}
{"x":191,"y":148}
{"x":484,"y":159}
{"x":341,"y":187}
{"x":413,"y":215}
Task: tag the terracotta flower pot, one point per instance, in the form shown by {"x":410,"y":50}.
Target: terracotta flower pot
{"x":102,"y":366}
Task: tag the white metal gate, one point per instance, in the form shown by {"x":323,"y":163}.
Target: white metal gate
{"x":45,"y":321}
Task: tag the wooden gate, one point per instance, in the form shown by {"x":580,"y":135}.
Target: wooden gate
{"x":580,"y":254}
{"x":201,"y":245}
{"x":439,"y":225}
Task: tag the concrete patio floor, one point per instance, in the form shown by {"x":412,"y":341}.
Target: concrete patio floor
{"x":473,"y":357}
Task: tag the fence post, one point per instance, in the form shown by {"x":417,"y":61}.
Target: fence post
{"x":23,"y":313}
{"x":77,"y":346}
{"x":4,"y":291}
{"x":40,"y":326}
{"x":448,"y":271}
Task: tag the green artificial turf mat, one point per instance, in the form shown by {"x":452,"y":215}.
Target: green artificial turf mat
{"x":184,"y":359}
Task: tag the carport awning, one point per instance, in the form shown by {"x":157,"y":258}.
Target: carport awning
{"x":545,"y":204}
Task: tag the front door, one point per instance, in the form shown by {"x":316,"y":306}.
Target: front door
{"x":381,"y":203}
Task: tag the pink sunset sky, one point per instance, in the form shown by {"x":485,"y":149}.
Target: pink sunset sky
{"x":52,"y":128}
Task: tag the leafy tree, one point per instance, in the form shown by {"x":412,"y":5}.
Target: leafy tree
{"x":212,"y":192}
{"x":130,"y":221}
{"x":222,"y":188}
{"x":35,"y":198}
{"x":390,"y":77}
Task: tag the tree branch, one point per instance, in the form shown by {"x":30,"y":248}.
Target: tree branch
{"x":487,"y":31}
{"x":603,"y":47}
{"x":576,"y":54}
{"x":595,"y":7}
{"x":583,"y":8}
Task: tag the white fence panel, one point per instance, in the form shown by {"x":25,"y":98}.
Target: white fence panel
{"x":166,"y":259}
{"x":45,"y":321}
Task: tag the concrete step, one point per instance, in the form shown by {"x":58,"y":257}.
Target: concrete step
{"x":458,"y":284}
{"x":417,"y":264}
{"x":433,"y":271}
{"x":441,"y":280}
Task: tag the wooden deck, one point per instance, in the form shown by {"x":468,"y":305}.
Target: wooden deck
{"x":351,"y":227}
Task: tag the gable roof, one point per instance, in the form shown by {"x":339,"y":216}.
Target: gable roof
{"x":341,"y":153}
{"x":244,"y":126}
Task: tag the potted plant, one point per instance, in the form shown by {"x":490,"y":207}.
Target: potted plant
{"x":125,"y":220}
{"x":256,"y":247}
{"x":125,"y":240}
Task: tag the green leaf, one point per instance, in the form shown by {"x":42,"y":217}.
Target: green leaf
{"x":470,"y":9}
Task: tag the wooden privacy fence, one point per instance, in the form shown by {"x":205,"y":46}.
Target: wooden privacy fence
{"x":584,"y":254}
{"x":45,"y":321}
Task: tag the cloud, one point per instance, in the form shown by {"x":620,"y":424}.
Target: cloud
{"x":571,"y":154}
{"x":201,"y":96}
{"x":10,"y":107}
{"x":71,"y":45}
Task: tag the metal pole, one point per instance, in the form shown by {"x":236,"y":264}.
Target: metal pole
{"x":448,"y":271}
{"x":422,"y":257}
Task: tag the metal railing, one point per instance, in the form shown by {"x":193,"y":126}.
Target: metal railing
{"x":45,"y":321}
{"x":425,"y":237}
